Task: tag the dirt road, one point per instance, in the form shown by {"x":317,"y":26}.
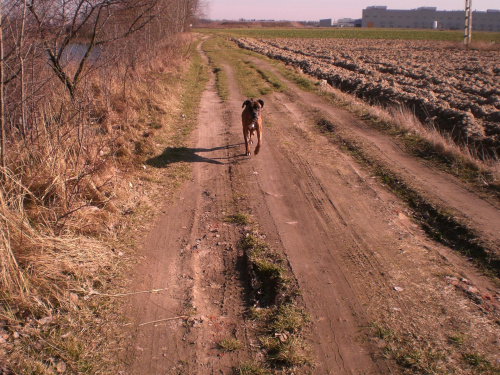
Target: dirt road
{"x":382,"y":296}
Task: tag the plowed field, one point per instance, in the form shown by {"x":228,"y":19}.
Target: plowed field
{"x":454,"y":89}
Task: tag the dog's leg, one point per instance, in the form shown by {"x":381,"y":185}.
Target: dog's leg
{"x":246,"y":137}
{"x":259,"y":141}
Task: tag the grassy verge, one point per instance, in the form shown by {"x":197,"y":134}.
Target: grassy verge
{"x":276,"y":309}
{"x":61,"y":270}
{"x":427,"y":144}
{"x":253,"y":82}
{"x":176,"y":156}
{"x":214,"y":47}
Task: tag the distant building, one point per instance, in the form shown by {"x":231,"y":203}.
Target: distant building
{"x":325,"y":22}
{"x":345,"y":22}
{"x":341,"y":22}
{"x":429,"y":18}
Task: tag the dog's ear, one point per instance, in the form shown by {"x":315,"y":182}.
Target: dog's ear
{"x":261,"y":103}
{"x":246,"y":102}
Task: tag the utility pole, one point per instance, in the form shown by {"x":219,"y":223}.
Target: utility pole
{"x":468,"y":22}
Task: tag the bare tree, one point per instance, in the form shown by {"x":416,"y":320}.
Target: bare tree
{"x":44,"y":33}
{"x":90,"y":23}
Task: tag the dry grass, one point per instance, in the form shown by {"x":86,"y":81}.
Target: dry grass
{"x":426,"y":142}
{"x":64,"y":208}
{"x":47,"y":284}
{"x":404,"y":118}
{"x":230,"y":345}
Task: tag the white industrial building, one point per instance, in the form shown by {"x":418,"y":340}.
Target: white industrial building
{"x":429,"y":18}
{"x":345,"y":22}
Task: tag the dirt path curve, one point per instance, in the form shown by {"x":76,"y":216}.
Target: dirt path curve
{"x":357,"y":257}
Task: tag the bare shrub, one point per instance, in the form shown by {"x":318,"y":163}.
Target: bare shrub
{"x":72,"y":124}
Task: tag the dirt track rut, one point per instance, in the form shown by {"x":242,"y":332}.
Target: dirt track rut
{"x":356,"y":255}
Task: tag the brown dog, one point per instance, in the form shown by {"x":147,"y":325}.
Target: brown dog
{"x":252,"y":122}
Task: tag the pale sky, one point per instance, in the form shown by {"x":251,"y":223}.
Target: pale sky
{"x":313,"y":10}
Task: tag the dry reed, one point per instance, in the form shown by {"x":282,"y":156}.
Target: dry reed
{"x":401,"y":118}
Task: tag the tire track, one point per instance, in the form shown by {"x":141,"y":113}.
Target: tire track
{"x":284,"y":195}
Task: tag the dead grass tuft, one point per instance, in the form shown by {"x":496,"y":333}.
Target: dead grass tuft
{"x":46,"y":283}
{"x":253,"y":368}
{"x":428,"y":143}
{"x":230,"y":345}
{"x":238,"y":218}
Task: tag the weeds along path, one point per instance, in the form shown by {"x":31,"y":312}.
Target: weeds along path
{"x":381,"y":295}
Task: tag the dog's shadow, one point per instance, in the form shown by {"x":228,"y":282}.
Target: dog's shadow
{"x":173,"y":155}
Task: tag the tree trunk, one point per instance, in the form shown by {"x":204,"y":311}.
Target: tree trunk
{"x":2,"y":117}
{"x":21,"y":75}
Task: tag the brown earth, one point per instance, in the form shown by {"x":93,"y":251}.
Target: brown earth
{"x":382,"y":296}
